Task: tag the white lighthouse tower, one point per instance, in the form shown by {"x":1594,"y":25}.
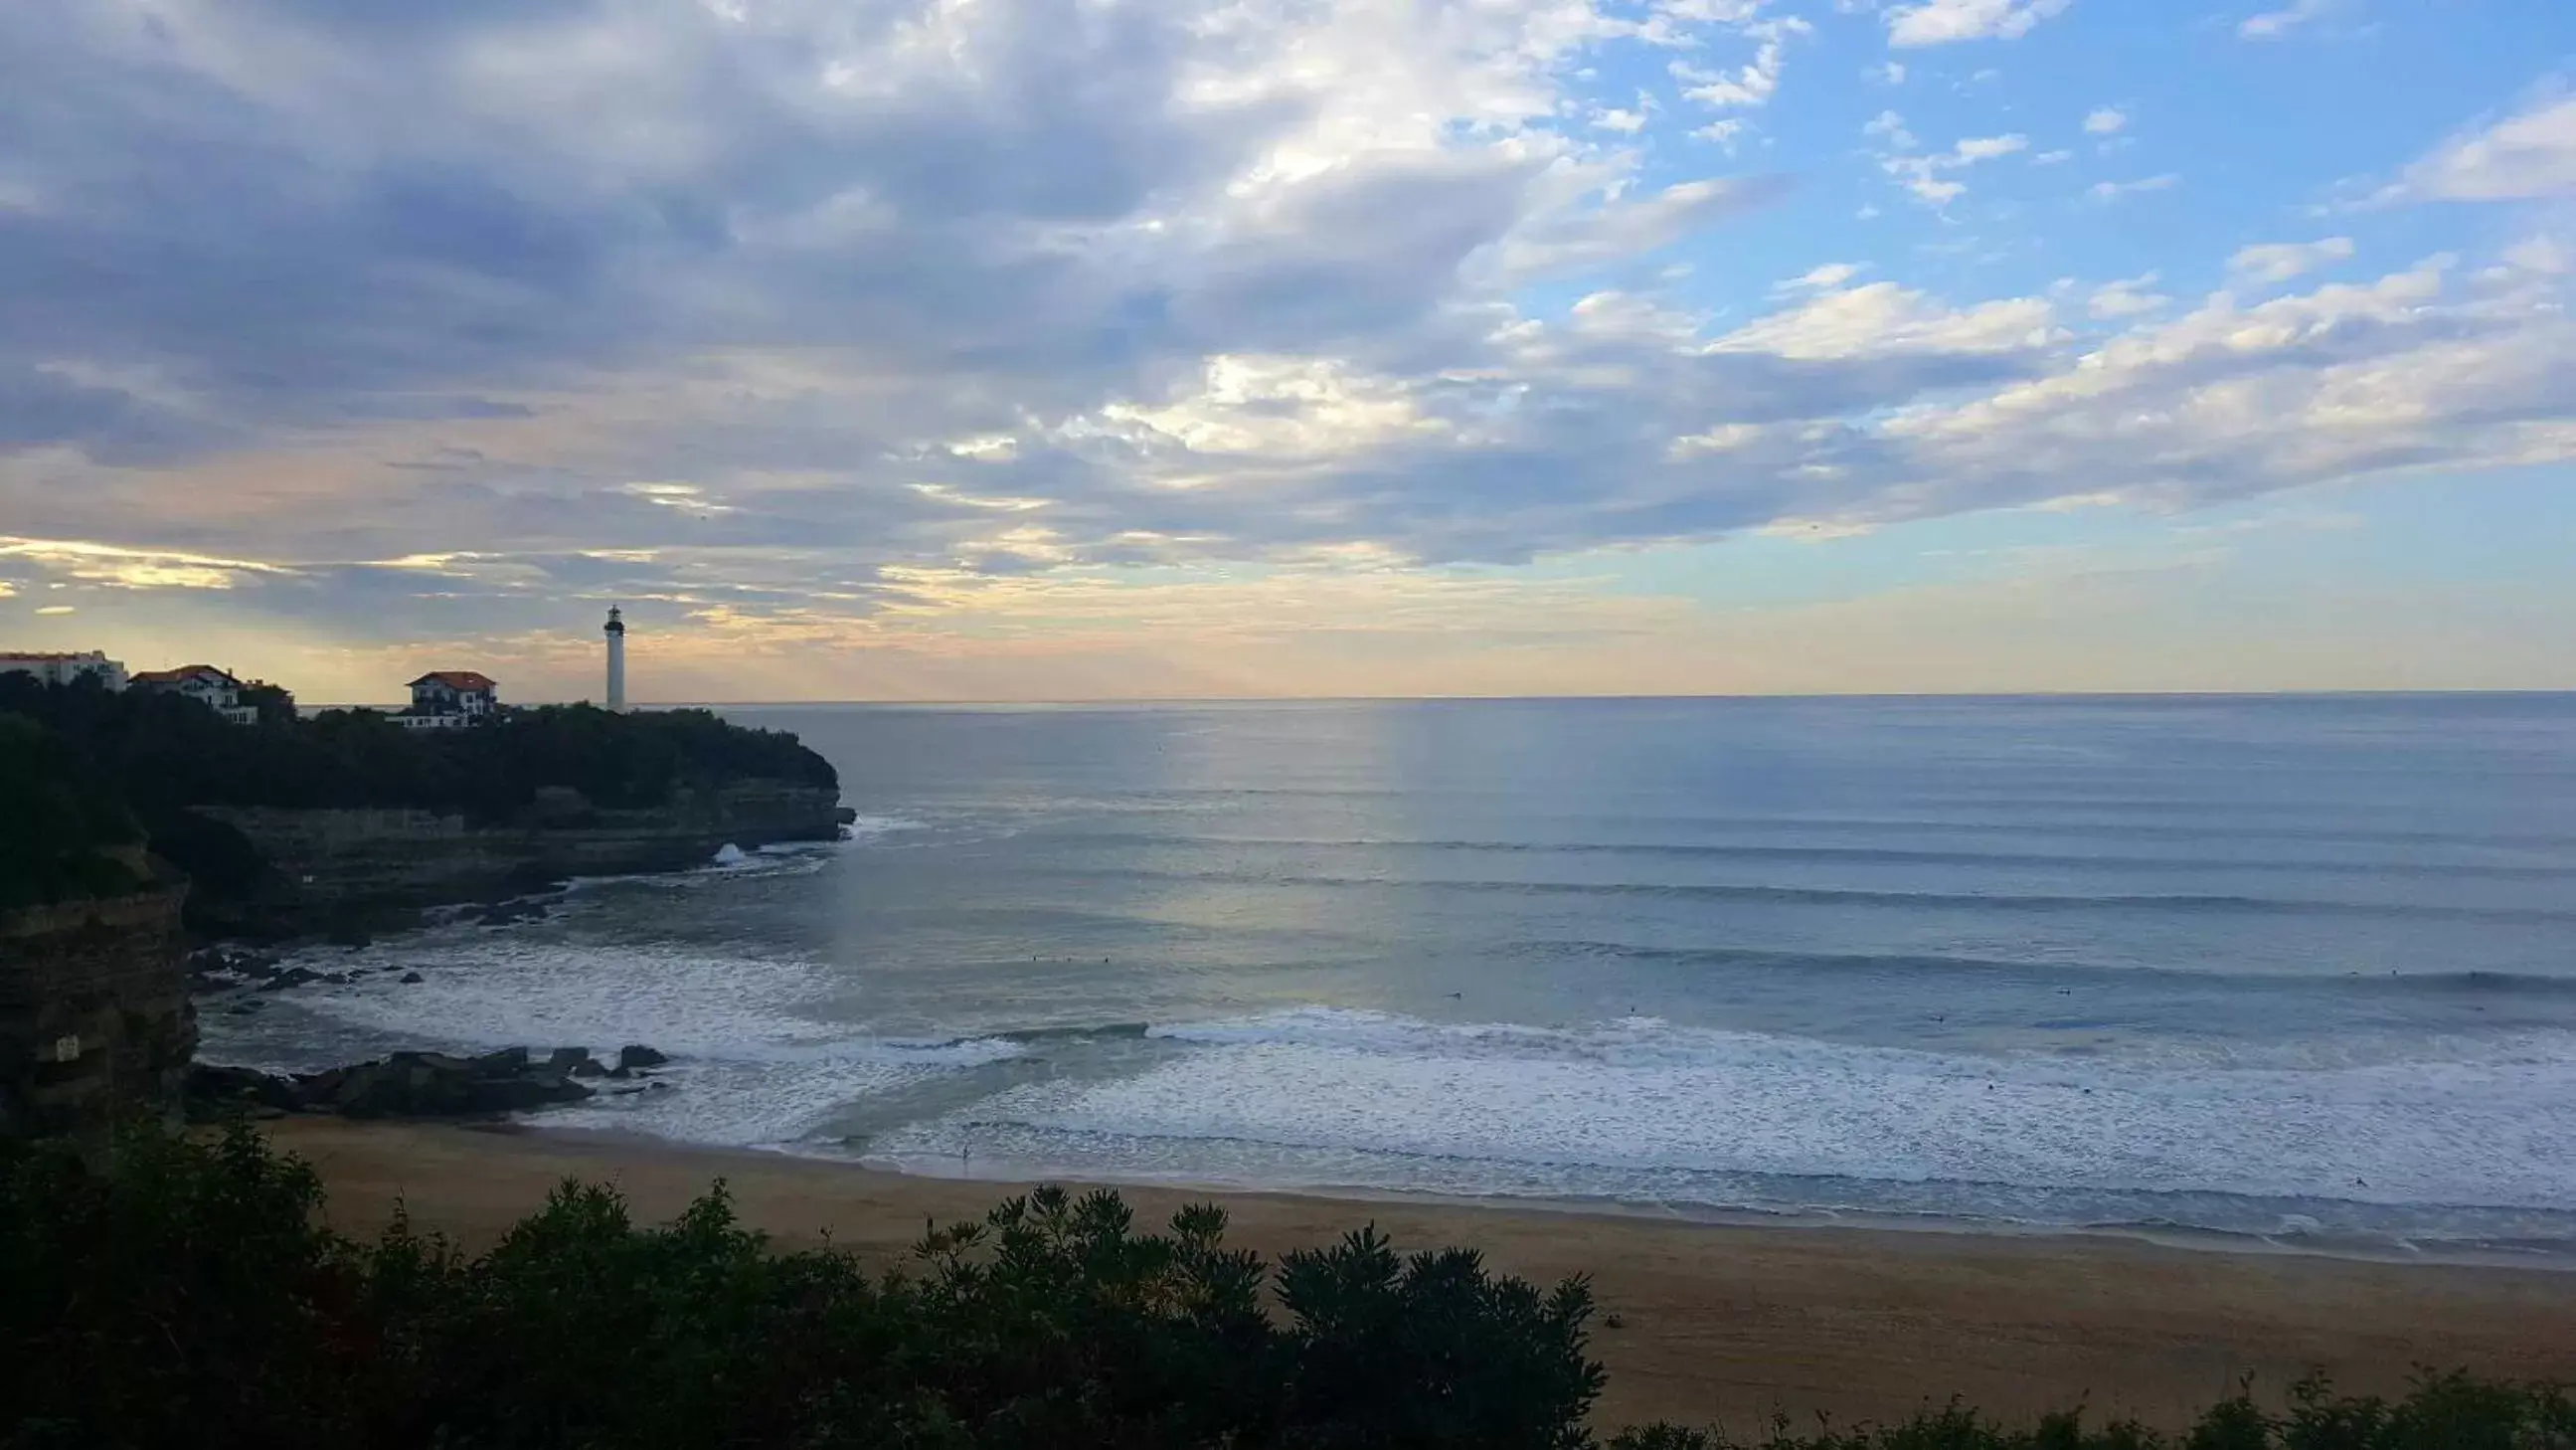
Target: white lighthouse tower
{"x":616,"y":632}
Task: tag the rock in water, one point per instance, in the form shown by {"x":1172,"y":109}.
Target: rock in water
{"x":635,"y":1054}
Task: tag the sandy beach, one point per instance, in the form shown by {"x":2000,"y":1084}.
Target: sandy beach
{"x":1717,"y":1323}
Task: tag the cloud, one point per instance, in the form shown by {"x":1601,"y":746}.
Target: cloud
{"x":2117,"y":301}
{"x":2527,"y":156}
{"x":2282,"y":261}
{"x":1829,"y":274}
{"x":2105,"y":120}
{"x":2115,"y":190}
{"x":1753,"y":84}
{"x":1889,"y":127}
{"x":1924,"y":175}
{"x":1882,"y":319}
{"x":2274,"y":24}
{"x":122,"y":567}
{"x":56,"y":609}
{"x":1941,"y":22}
{"x":976,"y":328}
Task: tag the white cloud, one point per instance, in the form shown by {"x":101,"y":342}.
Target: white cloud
{"x":2527,"y":156}
{"x":2274,"y":24}
{"x":1722,"y":133}
{"x":2114,"y":190}
{"x":55,"y":609}
{"x":2543,"y":255}
{"x":2105,"y":120}
{"x":1924,"y":175}
{"x":1627,"y":226}
{"x":1882,"y":319}
{"x":1890,"y":74}
{"x":125,"y":567}
{"x":1987,"y":148}
{"x":2125,"y":299}
{"x":1830,"y":274}
{"x":2280,"y":261}
{"x":1889,"y":127}
{"x":1940,"y":22}
{"x":2052,"y":158}
{"x":1626,"y":123}
{"x":1753,"y":84}
{"x":1278,"y":407}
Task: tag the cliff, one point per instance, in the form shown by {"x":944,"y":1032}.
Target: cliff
{"x":352,"y":868}
{"x":94,"y":1015}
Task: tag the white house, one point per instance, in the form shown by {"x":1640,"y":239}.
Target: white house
{"x":449,"y":700}
{"x":216,"y":689}
{"x":62,"y":669}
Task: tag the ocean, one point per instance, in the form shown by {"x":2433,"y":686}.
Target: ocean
{"x":2299,"y":970}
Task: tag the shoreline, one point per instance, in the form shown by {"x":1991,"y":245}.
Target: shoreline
{"x":2181,"y":1237}
{"x":1720,"y":1322}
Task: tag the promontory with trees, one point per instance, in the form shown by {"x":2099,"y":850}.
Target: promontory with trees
{"x":334,"y":801}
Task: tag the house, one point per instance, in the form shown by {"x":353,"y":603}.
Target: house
{"x":216,"y":689}
{"x":450,"y":699}
{"x":62,"y":669}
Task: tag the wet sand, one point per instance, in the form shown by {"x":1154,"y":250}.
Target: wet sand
{"x":1717,"y":1323}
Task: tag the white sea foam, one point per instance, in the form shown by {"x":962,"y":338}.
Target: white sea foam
{"x":868,"y":828}
{"x":1641,"y":1095}
{"x":753,"y":1063}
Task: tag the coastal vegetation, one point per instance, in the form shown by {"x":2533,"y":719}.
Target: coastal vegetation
{"x":60,"y":824}
{"x":187,"y":1295}
{"x":86,"y":766}
{"x":166,"y":752}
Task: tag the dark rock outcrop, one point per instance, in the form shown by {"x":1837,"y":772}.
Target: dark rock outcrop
{"x":349,"y":872}
{"x":635,"y":1054}
{"x":403,"y":1085}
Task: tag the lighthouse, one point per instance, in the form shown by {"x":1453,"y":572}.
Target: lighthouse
{"x":616,"y":632}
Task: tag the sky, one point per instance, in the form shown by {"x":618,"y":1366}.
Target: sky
{"x":1096,"y":349}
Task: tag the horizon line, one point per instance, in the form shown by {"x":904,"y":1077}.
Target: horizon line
{"x":1113,"y":700}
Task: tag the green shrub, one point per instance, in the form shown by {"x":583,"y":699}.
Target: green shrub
{"x":185,"y":1297}
{"x":166,"y":752}
{"x":56,"y":817}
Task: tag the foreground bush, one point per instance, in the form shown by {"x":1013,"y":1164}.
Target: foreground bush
{"x":187,"y":1299}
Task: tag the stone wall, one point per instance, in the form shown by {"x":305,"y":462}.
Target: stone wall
{"x":336,"y":866}
{"x":94,"y":1014}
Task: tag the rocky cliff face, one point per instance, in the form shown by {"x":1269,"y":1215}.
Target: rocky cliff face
{"x":335,"y":868}
{"x":94,"y":1014}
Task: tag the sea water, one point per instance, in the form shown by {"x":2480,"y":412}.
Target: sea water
{"x":2296,"y":968}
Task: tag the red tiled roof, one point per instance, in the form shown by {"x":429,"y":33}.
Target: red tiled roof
{"x":457,"y":680}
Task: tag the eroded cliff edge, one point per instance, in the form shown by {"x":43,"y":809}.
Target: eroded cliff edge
{"x":363,"y":868}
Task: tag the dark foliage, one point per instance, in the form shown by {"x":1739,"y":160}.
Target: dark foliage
{"x":2450,"y":1411}
{"x":56,"y":817}
{"x":167,"y":753}
{"x":185,"y":1298}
